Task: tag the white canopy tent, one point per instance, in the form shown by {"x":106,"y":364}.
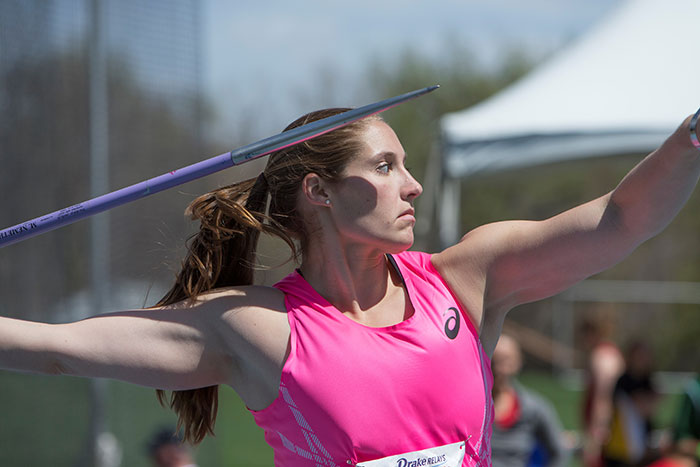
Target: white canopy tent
{"x":620,"y":89}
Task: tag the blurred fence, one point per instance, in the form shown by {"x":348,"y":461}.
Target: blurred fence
{"x":151,"y":110}
{"x":154,"y":108}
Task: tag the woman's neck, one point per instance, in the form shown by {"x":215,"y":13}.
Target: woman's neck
{"x":361,"y":284}
{"x":351,"y":280}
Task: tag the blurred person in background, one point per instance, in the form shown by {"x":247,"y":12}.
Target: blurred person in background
{"x":685,"y":450}
{"x":604,"y":366}
{"x":367,"y":351}
{"x":635,"y":400}
{"x":686,"y":431}
{"x":166,"y":448}
{"x":526,"y":428}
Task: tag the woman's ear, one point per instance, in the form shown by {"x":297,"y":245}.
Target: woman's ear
{"x":314,"y":189}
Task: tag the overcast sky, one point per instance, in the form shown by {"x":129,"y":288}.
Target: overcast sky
{"x":263,"y":54}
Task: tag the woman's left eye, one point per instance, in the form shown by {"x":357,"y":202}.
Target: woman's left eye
{"x":384,"y":167}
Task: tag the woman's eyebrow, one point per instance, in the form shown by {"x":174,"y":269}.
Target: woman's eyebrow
{"x":391,"y":154}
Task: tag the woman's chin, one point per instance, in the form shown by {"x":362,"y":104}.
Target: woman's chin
{"x":399,"y":246}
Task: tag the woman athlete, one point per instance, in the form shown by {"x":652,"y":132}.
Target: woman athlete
{"x":367,"y":354}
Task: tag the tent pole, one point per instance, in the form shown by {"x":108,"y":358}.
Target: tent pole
{"x":449,"y":211}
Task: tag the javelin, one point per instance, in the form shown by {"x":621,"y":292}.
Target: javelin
{"x":238,"y":156}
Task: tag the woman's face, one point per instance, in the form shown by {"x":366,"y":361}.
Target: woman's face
{"x":373,"y":202}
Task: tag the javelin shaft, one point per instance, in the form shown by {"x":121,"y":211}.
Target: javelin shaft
{"x":238,"y":156}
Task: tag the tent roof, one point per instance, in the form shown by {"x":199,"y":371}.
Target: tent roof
{"x":622,"y":88}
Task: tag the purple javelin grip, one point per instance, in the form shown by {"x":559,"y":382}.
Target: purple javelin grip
{"x":239,"y":156}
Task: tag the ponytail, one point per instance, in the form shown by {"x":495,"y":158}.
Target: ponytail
{"x":231,"y":219}
{"x":221,"y":254}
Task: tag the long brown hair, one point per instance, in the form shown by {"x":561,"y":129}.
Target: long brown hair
{"x":232,"y":218}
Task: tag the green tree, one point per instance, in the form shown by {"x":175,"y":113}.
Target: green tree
{"x":463,"y":82}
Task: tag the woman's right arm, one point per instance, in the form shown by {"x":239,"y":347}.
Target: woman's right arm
{"x":177,"y":347}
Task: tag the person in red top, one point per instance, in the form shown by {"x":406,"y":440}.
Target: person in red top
{"x":525,"y":424}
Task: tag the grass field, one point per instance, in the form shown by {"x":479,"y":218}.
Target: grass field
{"x":44,"y":421}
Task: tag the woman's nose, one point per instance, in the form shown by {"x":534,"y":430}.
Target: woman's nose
{"x":413,"y":188}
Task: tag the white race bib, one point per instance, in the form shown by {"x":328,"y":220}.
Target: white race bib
{"x":449,"y":455}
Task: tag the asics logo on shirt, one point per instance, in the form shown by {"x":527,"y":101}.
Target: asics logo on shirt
{"x":452,"y":323}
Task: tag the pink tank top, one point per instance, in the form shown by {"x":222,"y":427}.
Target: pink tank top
{"x":351,"y":393}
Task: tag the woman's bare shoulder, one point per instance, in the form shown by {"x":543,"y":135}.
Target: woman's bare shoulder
{"x":238,"y":298}
{"x":252,"y":323}
{"x":255,"y":311}
{"x":243,"y":310}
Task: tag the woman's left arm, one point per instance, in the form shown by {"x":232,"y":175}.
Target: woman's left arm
{"x":501,"y":265}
